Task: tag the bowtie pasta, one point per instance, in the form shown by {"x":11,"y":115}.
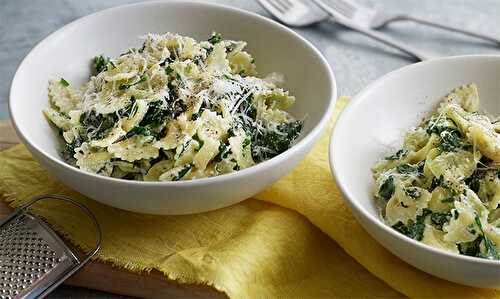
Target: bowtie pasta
{"x":443,"y":187}
{"x":175,"y":109}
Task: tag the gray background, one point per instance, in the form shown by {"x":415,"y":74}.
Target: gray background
{"x":355,"y":59}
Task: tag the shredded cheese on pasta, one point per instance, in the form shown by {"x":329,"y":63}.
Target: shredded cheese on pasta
{"x":174,"y":109}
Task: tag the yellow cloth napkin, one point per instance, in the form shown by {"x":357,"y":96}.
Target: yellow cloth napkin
{"x":255,"y":249}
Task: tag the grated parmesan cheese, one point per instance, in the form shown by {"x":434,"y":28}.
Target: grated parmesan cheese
{"x":174,"y":109}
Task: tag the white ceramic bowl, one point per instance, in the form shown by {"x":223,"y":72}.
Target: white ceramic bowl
{"x":68,"y":53}
{"x":374,"y":124}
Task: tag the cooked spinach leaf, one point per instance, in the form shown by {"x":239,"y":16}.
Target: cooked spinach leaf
{"x":138,"y":130}
{"x":398,"y":155}
{"x":491,"y":251}
{"x":98,"y":124}
{"x":474,"y":248}
{"x":437,"y":182}
{"x":215,"y":38}
{"x":448,"y":200}
{"x":100,"y":64}
{"x":64,"y":82}
{"x":182,"y":172}
{"x":273,"y":142}
{"x":439,"y":124}
{"x":68,"y":151}
{"x":413,"y":229}
{"x":474,"y":181}
{"x":471,"y":248}
{"x":407,"y":169}
{"x":451,"y":141}
{"x":450,"y":137}
{"x":200,"y":142}
{"x":413,"y":192}
{"x":161,"y":111}
{"x":387,"y":188}
{"x":196,"y":115}
{"x":224,"y":151}
{"x":438,"y":219}
{"x":169,"y":70}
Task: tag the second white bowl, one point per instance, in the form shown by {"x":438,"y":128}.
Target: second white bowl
{"x":373,"y":125}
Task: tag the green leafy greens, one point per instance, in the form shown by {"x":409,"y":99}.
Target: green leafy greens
{"x":413,"y":229}
{"x":100,"y":64}
{"x":387,"y":188}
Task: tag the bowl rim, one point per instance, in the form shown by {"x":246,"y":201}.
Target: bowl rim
{"x":311,"y":137}
{"x":348,"y":197}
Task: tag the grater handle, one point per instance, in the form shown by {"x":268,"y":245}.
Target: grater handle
{"x":83,"y":208}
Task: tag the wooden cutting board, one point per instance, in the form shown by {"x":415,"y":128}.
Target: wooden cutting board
{"x":104,"y":277}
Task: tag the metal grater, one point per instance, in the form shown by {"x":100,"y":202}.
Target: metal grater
{"x":34,"y":260}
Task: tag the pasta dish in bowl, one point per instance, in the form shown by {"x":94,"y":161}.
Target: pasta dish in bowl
{"x":415,"y":155}
{"x":443,"y":186}
{"x":174,"y":109}
{"x":184,"y":122}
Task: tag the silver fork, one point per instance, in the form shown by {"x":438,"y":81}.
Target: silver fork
{"x":299,"y":13}
{"x":375,"y":19}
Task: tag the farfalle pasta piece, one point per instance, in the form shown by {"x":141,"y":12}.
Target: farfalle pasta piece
{"x":135,"y":148}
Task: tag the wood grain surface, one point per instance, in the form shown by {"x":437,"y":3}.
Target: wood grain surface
{"x":104,"y":277}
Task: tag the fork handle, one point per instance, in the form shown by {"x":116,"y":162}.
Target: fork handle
{"x":440,"y":25}
{"x":416,"y":54}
